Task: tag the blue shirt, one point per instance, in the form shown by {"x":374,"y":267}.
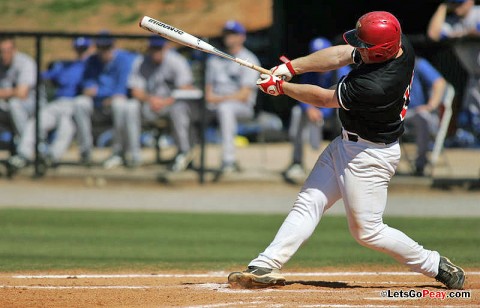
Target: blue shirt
{"x":109,"y":78}
{"x":67,"y":76}
{"x":423,"y":79}
{"x":324,"y":80}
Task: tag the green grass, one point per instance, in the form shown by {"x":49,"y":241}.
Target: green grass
{"x":62,"y":239}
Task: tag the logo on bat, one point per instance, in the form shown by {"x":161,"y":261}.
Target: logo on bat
{"x":168,"y":27}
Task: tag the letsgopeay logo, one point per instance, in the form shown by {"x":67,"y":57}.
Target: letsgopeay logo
{"x":153,"y":21}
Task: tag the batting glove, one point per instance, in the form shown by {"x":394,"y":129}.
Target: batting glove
{"x":270,"y":84}
{"x":285,"y":70}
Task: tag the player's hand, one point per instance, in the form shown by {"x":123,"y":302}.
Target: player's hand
{"x":285,"y":70}
{"x":270,"y":84}
{"x":158,"y":103}
{"x":314,"y":114}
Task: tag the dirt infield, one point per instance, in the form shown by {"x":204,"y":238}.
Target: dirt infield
{"x":352,"y":287}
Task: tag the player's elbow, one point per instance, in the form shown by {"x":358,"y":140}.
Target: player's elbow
{"x":434,"y":34}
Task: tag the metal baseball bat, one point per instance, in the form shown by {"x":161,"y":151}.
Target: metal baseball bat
{"x":181,"y":37}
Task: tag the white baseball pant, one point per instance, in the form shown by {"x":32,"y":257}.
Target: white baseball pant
{"x":359,"y":172}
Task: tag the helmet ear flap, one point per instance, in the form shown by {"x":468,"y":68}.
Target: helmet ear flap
{"x":383,"y":52}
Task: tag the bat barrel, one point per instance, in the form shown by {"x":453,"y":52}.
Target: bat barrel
{"x":181,"y":37}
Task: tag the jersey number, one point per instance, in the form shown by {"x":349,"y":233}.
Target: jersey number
{"x":406,"y":100}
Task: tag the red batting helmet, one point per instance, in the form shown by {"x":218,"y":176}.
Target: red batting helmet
{"x":379,"y":33}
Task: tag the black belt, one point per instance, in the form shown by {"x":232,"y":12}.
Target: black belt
{"x":351,"y":137}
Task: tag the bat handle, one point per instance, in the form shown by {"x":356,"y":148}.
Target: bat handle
{"x":261,"y":69}
{"x":252,"y":66}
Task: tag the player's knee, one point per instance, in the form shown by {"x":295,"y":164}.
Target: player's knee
{"x":366,"y":234}
{"x":81,"y":103}
{"x":311,"y":201}
{"x":225,"y":110}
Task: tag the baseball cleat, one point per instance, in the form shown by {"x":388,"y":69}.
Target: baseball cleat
{"x":181,"y":161}
{"x":256,"y":277}
{"x":450,"y":275}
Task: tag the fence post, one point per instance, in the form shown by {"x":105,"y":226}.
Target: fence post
{"x":203,"y":120}
{"x":38,"y":59}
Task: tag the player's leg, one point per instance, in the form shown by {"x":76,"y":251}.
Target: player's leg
{"x":364,"y":186}
{"x":419,"y":123}
{"x":62,"y":111}
{"x":82,"y":114}
{"x":133,"y":129}
{"x":182,"y":114}
{"x":20,"y":111}
{"x":317,"y":195}
{"x":119,"y":117}
{"x":26,"y":146}
{"x":228,"y":114}
{"x":298,"y":122}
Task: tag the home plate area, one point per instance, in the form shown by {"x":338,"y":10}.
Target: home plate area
{"x":209,"y":289}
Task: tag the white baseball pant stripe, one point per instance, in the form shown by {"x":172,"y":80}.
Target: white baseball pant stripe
{"x":359,"y":172}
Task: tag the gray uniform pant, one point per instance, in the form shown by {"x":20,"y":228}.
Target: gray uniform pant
{"x":228,"y":113}
{"x":424,"y":124}
{"x":299,"y":126}
{"x":19,"y":111}
{"x":83,"y":111}
{"x":127,"y":128}
{"x":57,"y":114}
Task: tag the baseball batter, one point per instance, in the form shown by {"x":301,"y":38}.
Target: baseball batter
{"x":358,"y":165}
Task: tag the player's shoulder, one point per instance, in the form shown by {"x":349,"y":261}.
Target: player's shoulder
{"x":174,"y":56}
{"x":362,"y":81}
{"x":475,"y":13}
{"x":22,"y":58}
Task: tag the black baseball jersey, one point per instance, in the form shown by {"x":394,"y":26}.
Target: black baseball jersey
{"x":374,"y":97}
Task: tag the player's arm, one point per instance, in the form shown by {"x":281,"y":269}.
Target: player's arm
{"x":435,"y":99}
{"x":307,"y":93}
{"x":26,"y":80}
{"x":6,"y":93}
{"x":241,"y":95}
{"x":323,"y":60}
{"x":435,"y":25}
{"x":311,"y":94}
{"x":22,"y":91}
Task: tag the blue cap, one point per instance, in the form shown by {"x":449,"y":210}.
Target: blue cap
{"x":456,"y":1}
{"x":234,"y":26}
{"x":156,"y":41}
{"x":105,"y":39}
{"x":81,"y":42}
{"x":318,"y":43}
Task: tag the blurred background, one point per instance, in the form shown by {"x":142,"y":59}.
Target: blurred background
{"x":274,"y":28}
{"x":448,"y":192}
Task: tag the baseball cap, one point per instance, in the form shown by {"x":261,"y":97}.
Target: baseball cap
{"x":234,"y":26}
{"x":105,"y":39}
{"x":81,"y":42}
{"x":156,"y":41}
{"x":318,"y":43}
{"x":455,"y":1}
